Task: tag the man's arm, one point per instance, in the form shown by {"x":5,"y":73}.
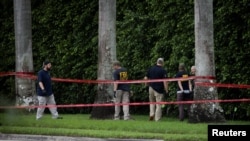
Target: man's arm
{"x":115,"y":86}
{"x":41,"y":85}
{"x":166,"y":86}
{"x":190,"y":85}
{"x":180,"y":85}
{"x":146,"y":78}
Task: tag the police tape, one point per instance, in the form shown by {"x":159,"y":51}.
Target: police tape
{"x":30,"y":75}
{"x":242,"y":86}
{"x":131,"y":104}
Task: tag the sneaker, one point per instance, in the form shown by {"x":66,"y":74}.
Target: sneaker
{"x":58,"y":117}
{"x":129,"y":119}
{"x":151,"y":118}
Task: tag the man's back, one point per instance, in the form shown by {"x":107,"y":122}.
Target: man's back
{"x":157,"y":72}
{"x":122,"y":74}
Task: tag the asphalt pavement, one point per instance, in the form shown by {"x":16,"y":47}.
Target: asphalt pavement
{"x":24,"y":137}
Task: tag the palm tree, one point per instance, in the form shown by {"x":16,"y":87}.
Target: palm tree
{"x":106,"y":55}
{"x":205,"y":65}
{"x":25,"y":88}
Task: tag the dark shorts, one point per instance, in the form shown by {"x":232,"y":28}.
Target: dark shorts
{"x":188,"y":96}
{"x":185,"y":96}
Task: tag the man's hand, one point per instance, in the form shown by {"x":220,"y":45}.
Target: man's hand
{"x":114,"y":94}
{"x":44,"y":92}
{"x":146,"y":88}
{"x":131,"y":93}
{"x":166,"y":94}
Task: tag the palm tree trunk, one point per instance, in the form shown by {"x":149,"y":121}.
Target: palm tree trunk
{"x":205,"y":65}
{"x":25,"y":88}
{"x":106,"y":55}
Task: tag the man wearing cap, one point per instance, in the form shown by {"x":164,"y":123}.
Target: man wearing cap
{"x":45,"y":92}
{"x":156,"y":89}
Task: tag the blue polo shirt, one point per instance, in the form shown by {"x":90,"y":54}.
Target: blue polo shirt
{"x":157,"y":72}
{"x":185,"y":84}
{"x":44,"y":77}
{"x":121,"y":74}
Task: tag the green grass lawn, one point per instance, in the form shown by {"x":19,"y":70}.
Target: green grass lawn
{"x":80,"y":125}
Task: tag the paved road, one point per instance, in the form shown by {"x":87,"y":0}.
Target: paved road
{"x":22,"y":137}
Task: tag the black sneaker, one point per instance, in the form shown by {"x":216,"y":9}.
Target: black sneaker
{"x":151,"y":118}
{"x":58,"y":117}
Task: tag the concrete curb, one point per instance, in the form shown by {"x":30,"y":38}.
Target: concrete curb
{"x":24,"y":137}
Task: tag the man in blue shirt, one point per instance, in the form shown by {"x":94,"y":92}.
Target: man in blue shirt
{"x":45,"y":92}
{"x":156,"y":89}
{"x":121,"y":91}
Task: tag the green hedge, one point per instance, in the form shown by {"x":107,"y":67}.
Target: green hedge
{"x":66,"y":32}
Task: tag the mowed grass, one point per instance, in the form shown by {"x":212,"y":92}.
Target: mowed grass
{"x":80,"y":125}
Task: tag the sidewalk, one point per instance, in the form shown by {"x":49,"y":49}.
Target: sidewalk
{"x":23,"y":137}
